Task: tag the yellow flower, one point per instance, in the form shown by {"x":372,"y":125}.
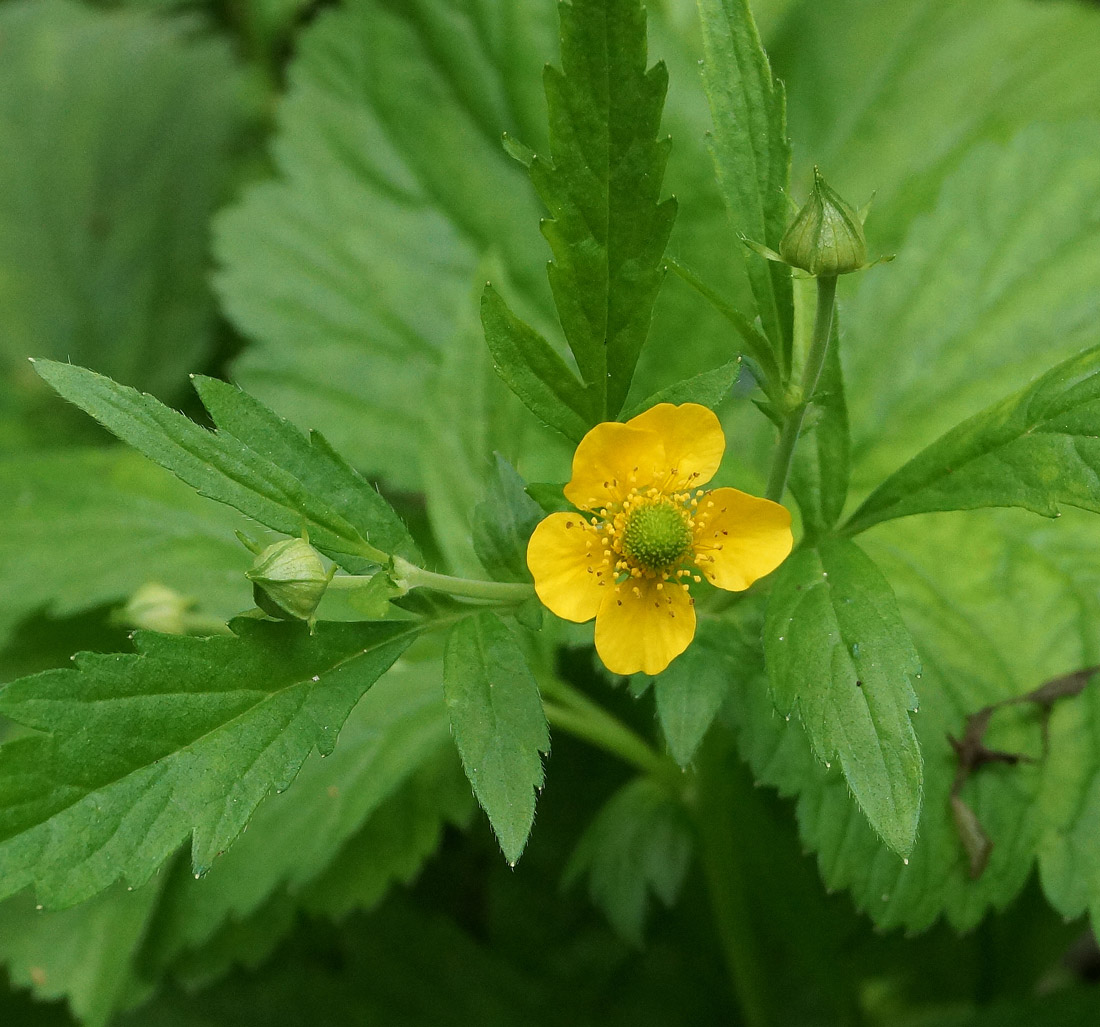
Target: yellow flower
{"x":648,"y":532}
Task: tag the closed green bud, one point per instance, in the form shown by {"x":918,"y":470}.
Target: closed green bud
{"x":826,"y":237}
{"x":288,"y":580}
{"x":155,"y":607}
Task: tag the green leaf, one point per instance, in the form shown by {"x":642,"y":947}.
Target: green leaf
{"x":498,"y":724}
{"x":822,"y":461}
{"x":639,"y":843}
{"x":503,"y":524}
{"x":954,"y":77}
{"x":86,"y":528}
{"x":534,"y":372}
{"x":317,"y":491}
{"x":602,"y":186}
{"x":185,"y":738}
{"x":390,"y":177}
{"x":392,"y":847}
{"x":104,"y":200}
{"x":311,"y":460}
{"x":85,"y":954}
{"x":708,"y":388}
{"x":838,"y":653}
{"x":751,"y":153}
{"x":308,"y":841}
{"x":997,"y":603}
{"x":968,"y":314}
{"x":1036,"y":449}
{"x":690,"y":693}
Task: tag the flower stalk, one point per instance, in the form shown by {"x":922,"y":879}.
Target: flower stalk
{"x":408,"y":576}
{"x":811,"y":375}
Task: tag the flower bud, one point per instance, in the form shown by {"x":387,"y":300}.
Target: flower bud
{"x":288,"y":579}
{"x":155,"y":607}
{"x":826,"y":237}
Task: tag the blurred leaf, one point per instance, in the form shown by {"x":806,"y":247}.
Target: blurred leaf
{"x":390,"y":176}
{"x":977,"y":304}
{"x":185,"y":738}
{"x":838,"y":652}
{"x":257,"y":463}
{"x":602,"y":186}
{"x":1036,"y":449}
{"x":639,"y":843}
{"x":690,"y":693}
{"x":498,"y":724}
{"x":306,"y":835}
{"x":89,"y":527}
{"x":115,"y":146}
{"x":393,"y":845}
{"x":503,"y":524}
{"x":888,"y":97}
{"x":83,"y":954}
{"x":752,"y":155}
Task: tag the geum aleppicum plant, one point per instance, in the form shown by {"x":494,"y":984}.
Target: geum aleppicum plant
{"x":646,"y":533}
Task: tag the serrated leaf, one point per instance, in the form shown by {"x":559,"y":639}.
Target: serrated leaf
{"x":534,"y":372}
{"x":752,"y":155}
{"x":640,"y":843}
{"x":1036,"y":449}
{"x":116,"y":129}
{"x":183,"y":739}
{"x":708,"y":388}
{"x":85,"y":954}
{"x":602,"y":186}
{"x":838,"y":653}
{"x":311,"y":460}
{"x":1018,"y":607}
{"x":86,"y":528}
{"x":304,"y":835}
{"x":389,"y":175}
{"x":503,"y":524}
{"x":498,"y":723}
{"x":690,"y":693}
{"x":317,"y":491}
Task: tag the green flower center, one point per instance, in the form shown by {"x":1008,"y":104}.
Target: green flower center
{"x":656,"y":535}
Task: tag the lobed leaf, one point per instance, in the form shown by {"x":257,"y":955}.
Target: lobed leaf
{"x":184,"y":738}
{"x":838,"y":652}
{"x":602,"y":183}
{"x":498,"y":724}
{"x":503,"y":524}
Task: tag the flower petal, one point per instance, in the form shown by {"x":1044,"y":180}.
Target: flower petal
{"x":644,"y":630}
{"x":739,"y":538}
{"x":566,"y":558}
{"x":611,"y":460}
{"x":693,"y":439}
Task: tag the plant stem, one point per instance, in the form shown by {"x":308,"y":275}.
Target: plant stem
{"x":811,"y":375}
{"x":574,"y":712}
{"x":408,"y":576}
{"x":715,"y":807}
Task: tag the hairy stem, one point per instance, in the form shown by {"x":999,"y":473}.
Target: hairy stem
{"x":409,"y":576}
{"x":811,"y":375}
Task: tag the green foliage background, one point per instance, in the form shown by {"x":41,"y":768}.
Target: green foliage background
{"x":306,"y":200}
